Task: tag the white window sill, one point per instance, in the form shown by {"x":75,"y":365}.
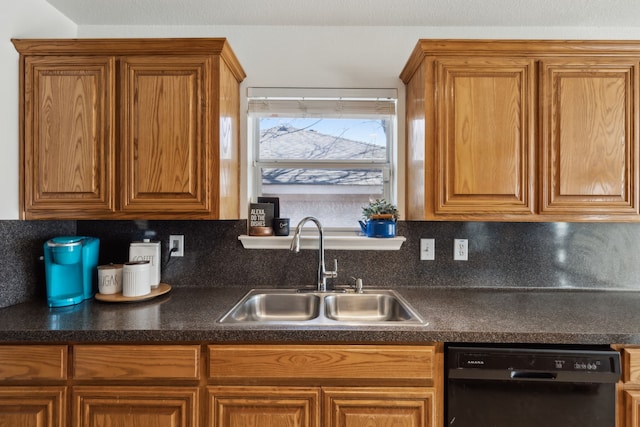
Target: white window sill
{"x":349,"y":241}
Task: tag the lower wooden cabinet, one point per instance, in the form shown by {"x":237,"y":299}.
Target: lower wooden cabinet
{"x":631,"y":400}
{"x":325,"y":385}
{"x":157,"y":385}
{"x":251,"y":385}
{"x":263,"y":406}
{"x":258,"y":406}
{"x":33,"y":391}
{"x":628,"y":397}
{"x":385,"y":406}
{"x":104,"y":406}
{"x":33,"y":406}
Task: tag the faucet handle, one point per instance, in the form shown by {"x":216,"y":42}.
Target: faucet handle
{"x":332,"y":274}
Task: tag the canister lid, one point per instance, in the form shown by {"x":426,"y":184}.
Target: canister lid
{"x":65,"y":241}
{"x":137,"y":262}
{"x":145,"y":242}
{"x":109,"y":266}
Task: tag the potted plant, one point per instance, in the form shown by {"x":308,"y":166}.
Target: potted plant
{"x":380,"y":218}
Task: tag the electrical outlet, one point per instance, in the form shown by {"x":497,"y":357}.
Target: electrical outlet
{"x":460,"y":249}
{"x":427,"y":249}
{"x":176,"y":241}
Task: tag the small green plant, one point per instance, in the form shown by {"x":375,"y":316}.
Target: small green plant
{"x":380,"y":209}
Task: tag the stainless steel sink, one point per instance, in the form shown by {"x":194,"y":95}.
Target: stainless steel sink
{"x":291,"y":307}
{"x":273,"y":307}
{"x":366,"y":308}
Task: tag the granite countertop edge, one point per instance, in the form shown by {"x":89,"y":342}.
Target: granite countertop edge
{"x":514,"y":315}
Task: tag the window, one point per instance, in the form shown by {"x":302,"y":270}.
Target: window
{"x":324,"y":153}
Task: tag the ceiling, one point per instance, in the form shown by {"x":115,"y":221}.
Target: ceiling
{"x":445,"y":13}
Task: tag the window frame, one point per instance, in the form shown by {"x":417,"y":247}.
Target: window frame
{"x":389,"y":166}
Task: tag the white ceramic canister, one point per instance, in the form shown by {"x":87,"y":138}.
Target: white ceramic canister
{"x":135,"y":278}
{"x":147,"y":251}
{"x":110,"y":279}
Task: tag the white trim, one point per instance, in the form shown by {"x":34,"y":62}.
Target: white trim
{"x":341,"y":241}
{"x":319,"y":93}
{"x":329,"y":101}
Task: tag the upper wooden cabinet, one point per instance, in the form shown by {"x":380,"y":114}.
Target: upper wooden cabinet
{"x":589,"y":156}
{"x":140,"y":128}
{"x":67,"y":146}
{"x":485,"y":159}
{"x":522,"y":130}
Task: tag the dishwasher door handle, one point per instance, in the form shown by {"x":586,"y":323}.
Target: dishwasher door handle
{"x":525,"y":375}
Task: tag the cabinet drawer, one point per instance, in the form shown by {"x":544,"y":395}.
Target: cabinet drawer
{"x":631,"y":365}
{"x":130,"y":362}
{"x":307,"y":364}
{"x":30,"y":362}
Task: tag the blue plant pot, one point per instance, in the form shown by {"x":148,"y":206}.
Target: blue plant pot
{"x":378,"y":228}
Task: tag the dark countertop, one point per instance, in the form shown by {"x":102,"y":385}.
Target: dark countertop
{"x":453,"y":315}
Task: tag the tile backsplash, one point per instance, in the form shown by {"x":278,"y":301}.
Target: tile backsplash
{"x":553,"y":255}
{"x":21,"y":269}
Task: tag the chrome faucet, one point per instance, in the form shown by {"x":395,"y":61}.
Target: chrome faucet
{"x":323,"y":274}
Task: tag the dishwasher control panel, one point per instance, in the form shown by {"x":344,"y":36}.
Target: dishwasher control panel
{"x":541,"y":362}
{"x":533,"y":364}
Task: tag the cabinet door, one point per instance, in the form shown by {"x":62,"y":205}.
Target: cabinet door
{"x":263,"y":406}
{"x":590,"y":138}
{"x":632,"y":408}
{"x":484,"y":131}
{"x":33,"y":406}
{"x":166,"y":135}
{"x":68,"y":169}
{"x":108,"y":406}
{"x":379,"y":407}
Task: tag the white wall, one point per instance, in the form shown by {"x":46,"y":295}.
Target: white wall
{"x":361,"y":57}
{"x":19,"y":19}
{"x":337,"y":57}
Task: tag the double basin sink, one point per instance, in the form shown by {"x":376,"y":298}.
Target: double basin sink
{"x":295,"y":307}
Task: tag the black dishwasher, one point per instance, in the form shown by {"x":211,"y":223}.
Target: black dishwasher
{"x":529,"y":386}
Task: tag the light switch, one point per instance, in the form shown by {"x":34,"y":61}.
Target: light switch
{"x":427,"y":249}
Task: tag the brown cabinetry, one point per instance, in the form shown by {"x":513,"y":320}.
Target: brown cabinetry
{"x":33,"y":392}
{"x":145,"y":386}
{"x":379,"y":406}
{"x":589,"y":136}
{"x":522,"y":130}
{"x":32,"y":406}
{"x":335,"y":385}
{"x":67,"y":148}
{"x":628,"y":407}
{"x":144,"y":128}
{"x":103,"y":406}
{"x":179,"y":385}
{"x":256,"y":406}
{"x":485,"y":156}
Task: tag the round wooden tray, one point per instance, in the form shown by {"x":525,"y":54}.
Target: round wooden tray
{"x":162,"y":289}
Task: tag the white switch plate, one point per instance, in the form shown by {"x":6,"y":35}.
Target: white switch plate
{"x":460,"y":250}
{"x":427,"y":249}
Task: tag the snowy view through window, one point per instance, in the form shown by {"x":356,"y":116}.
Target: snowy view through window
{"x":324,"y":167}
